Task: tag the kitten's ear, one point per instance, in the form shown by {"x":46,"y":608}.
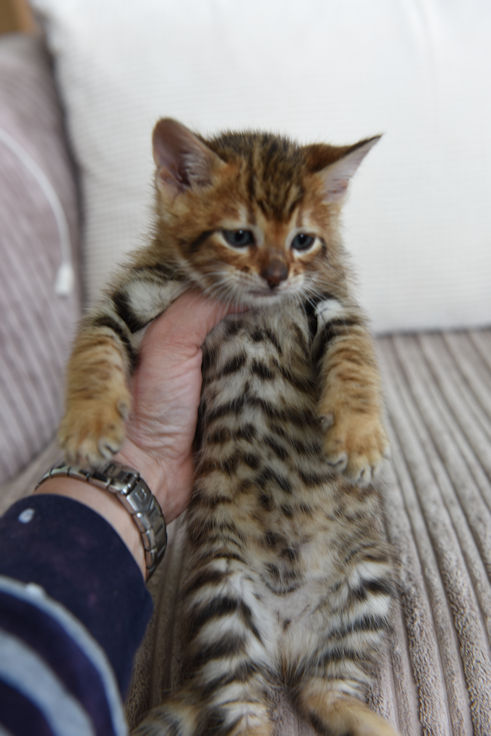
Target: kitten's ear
{"x":183,"y":161}
{"x":337,"y":172}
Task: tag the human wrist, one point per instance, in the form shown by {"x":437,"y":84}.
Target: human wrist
{"x":103,"y":503}
{"x":126,"y":485}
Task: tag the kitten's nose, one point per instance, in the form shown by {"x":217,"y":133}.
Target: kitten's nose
{"x":275,"y":272}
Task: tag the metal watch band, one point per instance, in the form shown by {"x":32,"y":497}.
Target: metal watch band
{"x":137,"y":498}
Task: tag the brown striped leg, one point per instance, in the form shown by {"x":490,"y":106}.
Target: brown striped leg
{"x":332,"y":713}
{"x":103,"y":357}
{"x":225,"y":649}
{"x":178,"y":716}
{"x":245,"y":716}
{"x":235,"y":712}
{"x":225,"y":657}
{"x":335,"y":680}
{"x":98,"y":400}
{"x":350,"y":404}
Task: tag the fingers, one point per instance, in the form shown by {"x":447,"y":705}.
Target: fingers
{"x":185,"y":324}
{"x":197,"y":315}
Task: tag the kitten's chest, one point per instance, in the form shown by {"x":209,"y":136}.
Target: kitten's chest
{"x":261,"y":471}
{"x":261,"y":360}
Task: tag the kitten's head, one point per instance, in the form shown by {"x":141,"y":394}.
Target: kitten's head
{"x":253,"y":217}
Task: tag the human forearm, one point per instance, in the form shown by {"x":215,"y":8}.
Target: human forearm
{"x":103,"y":503}
{"x":77,"y":560}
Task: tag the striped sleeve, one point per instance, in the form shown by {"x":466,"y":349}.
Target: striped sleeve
{"x":73,"y":610}
{"x":54,"y":678}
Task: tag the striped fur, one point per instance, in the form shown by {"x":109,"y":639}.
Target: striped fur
{"x":291,"y":581}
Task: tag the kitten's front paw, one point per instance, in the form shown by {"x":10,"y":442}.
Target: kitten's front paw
{"x":355,"y":445}
{"x":92,"y":431}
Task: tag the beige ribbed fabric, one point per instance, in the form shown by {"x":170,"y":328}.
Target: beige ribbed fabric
{"x":437,"y":508}
{"x":435,"y":679}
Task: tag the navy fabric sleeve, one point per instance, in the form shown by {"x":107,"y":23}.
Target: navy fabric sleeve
{"x":18,"y":715}
{"x":54,"y":677}
{"x":78,"y":560}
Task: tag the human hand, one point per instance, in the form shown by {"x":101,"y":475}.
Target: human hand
{"x":166,"y":390}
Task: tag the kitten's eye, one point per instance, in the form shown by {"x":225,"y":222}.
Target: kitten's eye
{"x":302,"y":241}
{"x":238,"y":238}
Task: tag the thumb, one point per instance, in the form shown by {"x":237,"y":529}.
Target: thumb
{"x":187,"y":322}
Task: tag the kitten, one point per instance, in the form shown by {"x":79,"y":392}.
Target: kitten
{"x":291,"y":580}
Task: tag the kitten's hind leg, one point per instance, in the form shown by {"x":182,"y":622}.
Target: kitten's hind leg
{"x":226,"y":692}
{"x":228,"y":714}
{"x":162,"y":722}
{"x":237,"y":719}
{"x":97,"y":398}
{"x":178,"y":716}
{"x":333,"y":713}
{"x":235,"y":703}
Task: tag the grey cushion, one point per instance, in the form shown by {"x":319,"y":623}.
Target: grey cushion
{"x":39,"y":301}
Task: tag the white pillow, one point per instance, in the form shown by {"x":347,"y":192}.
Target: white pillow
{"x":418,"y":221}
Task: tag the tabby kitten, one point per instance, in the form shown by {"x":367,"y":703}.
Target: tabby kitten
{"x":291,"y":581}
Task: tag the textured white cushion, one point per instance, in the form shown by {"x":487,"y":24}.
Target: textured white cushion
{"x":418,"y":221}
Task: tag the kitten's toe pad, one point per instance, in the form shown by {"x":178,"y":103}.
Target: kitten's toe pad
{"x":338,"y":462}
{"x":356,"y":446}
{"x":91,"y":432}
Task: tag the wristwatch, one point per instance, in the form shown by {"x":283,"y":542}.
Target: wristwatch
{"x":137,"y":498}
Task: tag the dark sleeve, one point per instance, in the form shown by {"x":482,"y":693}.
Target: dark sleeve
{"x":73,"y":604}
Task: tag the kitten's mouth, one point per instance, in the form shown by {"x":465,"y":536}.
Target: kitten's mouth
{"x":269,"y":294}
{"x":259,"y":298}
{"x":264,"y":292}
